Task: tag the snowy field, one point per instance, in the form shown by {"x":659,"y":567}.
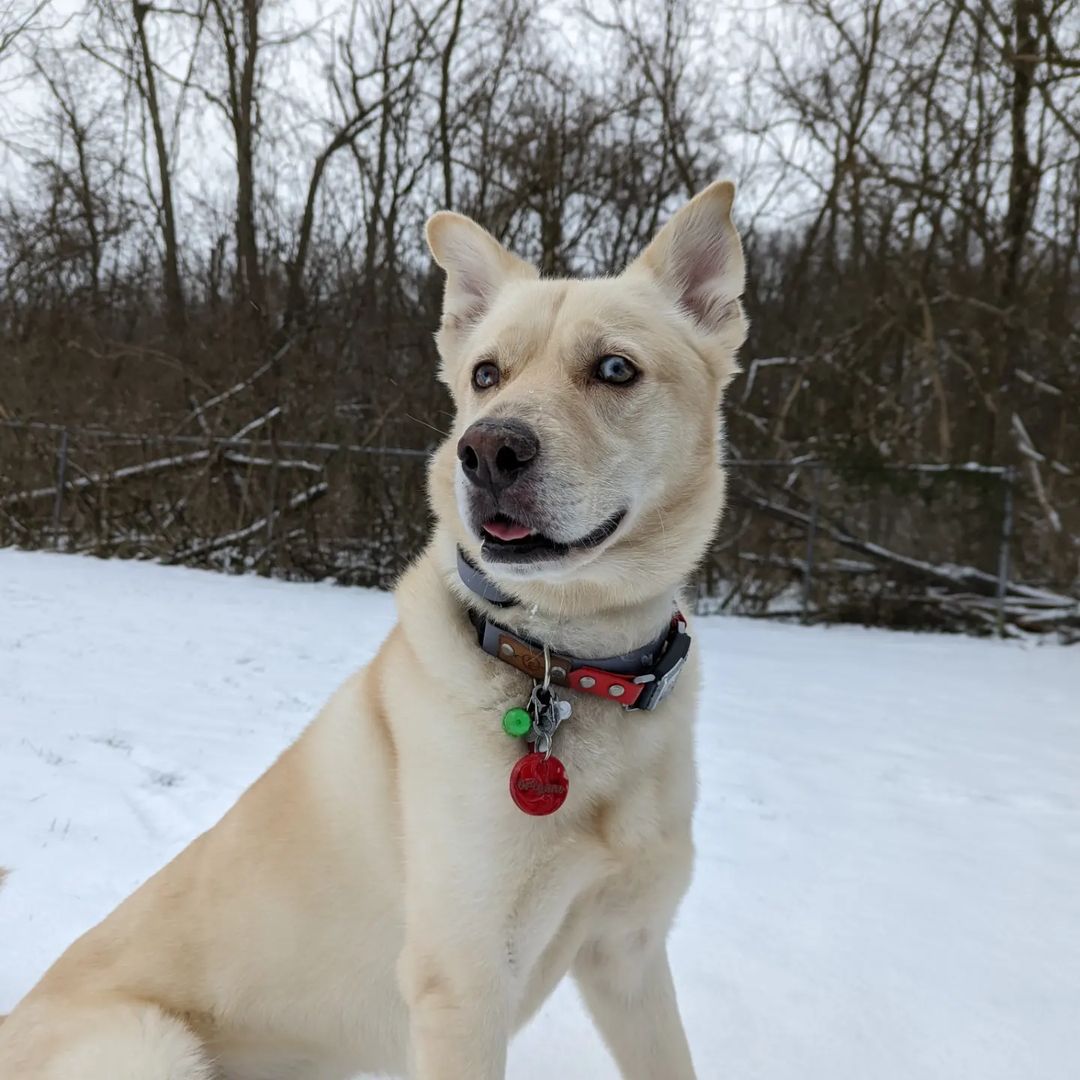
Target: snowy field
{"x":888,"y":884}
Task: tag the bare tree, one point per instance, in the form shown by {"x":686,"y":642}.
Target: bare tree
{"x":15,"y":21}
{"x":910,"y":202}
{"x":174,"y":292}
{"x":240,"y":38}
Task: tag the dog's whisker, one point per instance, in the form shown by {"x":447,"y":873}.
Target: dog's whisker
{"x":437,"y":430}
{"x":663,"y":530}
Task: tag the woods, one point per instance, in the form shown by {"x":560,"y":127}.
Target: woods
{"x":211,"y":253}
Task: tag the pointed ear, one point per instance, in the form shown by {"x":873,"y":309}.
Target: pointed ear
{"x":698,"y":259}
{"x":476,"y":264}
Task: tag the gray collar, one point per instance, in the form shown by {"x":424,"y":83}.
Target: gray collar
{"x":639,"y":679}
{"x":476,"y":581}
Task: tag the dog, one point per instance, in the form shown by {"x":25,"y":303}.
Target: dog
{"x":504,"y":794}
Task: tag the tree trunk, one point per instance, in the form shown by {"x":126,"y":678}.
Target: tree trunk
{"x":175,"y":313}
{"x":1023,"y":191}
{"x":247,"y":248}
{"x":444,"y":107}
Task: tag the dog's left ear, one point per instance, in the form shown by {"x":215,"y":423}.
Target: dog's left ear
{"x":476,"y":265}
{"x":698,"y":259}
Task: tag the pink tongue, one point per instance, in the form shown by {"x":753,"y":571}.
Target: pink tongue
{"x":506,"y":530}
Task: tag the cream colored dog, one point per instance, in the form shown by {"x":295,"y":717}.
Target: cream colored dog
{"x":376,"y":902}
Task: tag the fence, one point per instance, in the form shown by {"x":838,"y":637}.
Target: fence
{"x":882,"y":528}
{"x":241,"y":502}
{"x":914,"y":545}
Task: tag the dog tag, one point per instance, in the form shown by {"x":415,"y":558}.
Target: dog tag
{"x":548,"y":711}
{"x":538,"y":784}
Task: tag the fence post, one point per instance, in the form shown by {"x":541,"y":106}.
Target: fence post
{"x":61,"y":473}
{"x":271,"y":511}
{"x":1003,"y":547}
{"x":811,"y":534}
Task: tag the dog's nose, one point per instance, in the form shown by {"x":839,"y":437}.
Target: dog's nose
{"x":494,"y":453}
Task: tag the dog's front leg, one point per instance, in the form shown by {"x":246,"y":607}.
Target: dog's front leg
{"x":627,"y":985}
{"x":458,"y":1023}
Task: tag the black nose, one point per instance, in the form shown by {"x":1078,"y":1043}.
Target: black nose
{"x":494,"y":453}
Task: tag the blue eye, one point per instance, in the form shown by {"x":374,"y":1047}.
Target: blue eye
{"x":616,"y":370}
{"x":485,"y":375}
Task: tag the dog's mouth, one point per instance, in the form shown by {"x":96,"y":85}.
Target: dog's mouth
{"x":505,"y":540}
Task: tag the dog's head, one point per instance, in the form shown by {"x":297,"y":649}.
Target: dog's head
{"x":586,"y":441}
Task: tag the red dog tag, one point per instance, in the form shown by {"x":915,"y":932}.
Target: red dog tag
{"x":538,"y":784}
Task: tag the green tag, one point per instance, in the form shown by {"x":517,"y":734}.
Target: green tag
{"x":517,"y":722}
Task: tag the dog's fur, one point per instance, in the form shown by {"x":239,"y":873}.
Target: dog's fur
{"x":375,"y":902}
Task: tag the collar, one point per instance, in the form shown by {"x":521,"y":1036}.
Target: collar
{"x":637,"y":680}
{"x":476,"y":581}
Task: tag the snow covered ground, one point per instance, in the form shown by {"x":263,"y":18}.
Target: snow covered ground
{"x":888,"y":884}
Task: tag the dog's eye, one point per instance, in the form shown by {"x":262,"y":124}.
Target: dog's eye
{"x":615,"y":369}
{"x":485,"y":375}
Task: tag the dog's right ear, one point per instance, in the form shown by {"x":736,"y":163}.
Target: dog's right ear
{"x":476,"y":264}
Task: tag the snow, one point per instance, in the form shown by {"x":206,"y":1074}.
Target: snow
{"x":888,"y":880}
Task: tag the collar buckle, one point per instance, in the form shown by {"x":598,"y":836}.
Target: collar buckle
{"x":659,"y":682}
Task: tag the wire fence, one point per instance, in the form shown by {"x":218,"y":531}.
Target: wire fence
{"x":902,"y":545}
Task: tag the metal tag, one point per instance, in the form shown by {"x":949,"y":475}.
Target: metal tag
{"x":548,"y":712}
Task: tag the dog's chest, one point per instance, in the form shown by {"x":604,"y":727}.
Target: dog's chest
{"x":588,"y":866}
